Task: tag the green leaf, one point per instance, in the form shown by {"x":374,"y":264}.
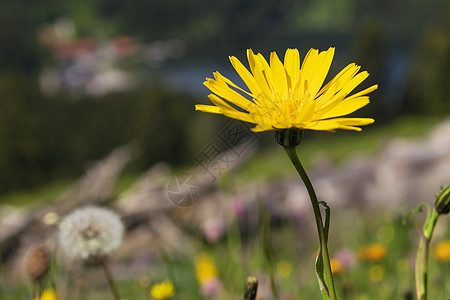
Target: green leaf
{"x":320,"y":272}
{"x":416,"y":211}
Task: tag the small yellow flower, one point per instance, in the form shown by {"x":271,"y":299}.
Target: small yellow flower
{"x":336,"y":266}
{"x":205,"y":269}
{"x":162,"y":290}
{"x":442,"y":251}
{"x":287,"y":95}
{"x":47,"y":294}
{"x":284,"y":268}
{"x":372,"y":252}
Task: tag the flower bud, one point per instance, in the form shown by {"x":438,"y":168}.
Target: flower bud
{"x":250,"y":288}
{"x":37,"y":262}
{"x":289,"y":137}
{"x":442,"y":203}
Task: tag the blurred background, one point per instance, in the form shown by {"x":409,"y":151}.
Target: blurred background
{"x":78,"y":78}
{"x":100,"y":95}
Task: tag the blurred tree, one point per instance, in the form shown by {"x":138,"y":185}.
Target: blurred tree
{"x":19,"y":131}
{"x":370,"y":51}
{"x":43,"y":139}
{"x":428,"y":90}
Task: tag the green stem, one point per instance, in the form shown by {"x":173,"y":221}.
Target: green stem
{"x":109,"y":277}
{"x":267,"y":248}
{"x":422,"y":255}
{"x":315,"y":204}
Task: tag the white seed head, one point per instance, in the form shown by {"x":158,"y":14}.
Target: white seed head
{"x":90,"y":231}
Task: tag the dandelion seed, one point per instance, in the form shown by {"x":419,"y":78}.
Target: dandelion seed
{"x":90,"y":232}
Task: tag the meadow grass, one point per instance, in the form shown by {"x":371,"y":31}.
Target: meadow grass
{"x":387,"y":277}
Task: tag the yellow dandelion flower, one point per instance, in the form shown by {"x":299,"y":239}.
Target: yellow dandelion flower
{"x":205,"y":269}
{"x":283,"y":96}
{"x":372,"y":252}
{"x":442,"y":251}
{"x":162,"y":290}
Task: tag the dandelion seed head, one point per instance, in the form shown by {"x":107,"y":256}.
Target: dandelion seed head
{"x":37,"y":262}
{"x":90,"y":231}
